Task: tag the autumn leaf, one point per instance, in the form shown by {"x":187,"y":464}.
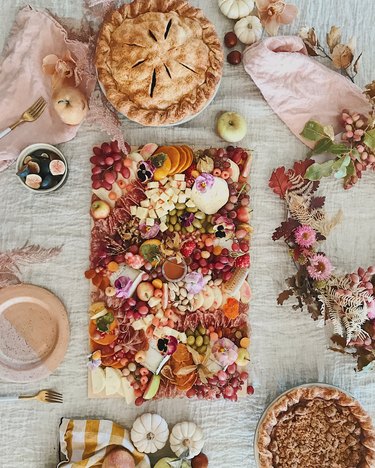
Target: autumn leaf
{"x":370,"y":91}
{"x":286,"y":229}
{"x":333,"y":37}
{"x":356,"y":63}
{"x":300,"y":167}
{"x":317,"y":202}
{"x":285,"y":295}
{"x":310,"y":49}
{"x":279,"y":182}
{"x":342,"y":56}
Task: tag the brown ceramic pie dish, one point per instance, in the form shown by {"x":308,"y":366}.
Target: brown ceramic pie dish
{"x":315,"y":426}
{"x":159,"y":62}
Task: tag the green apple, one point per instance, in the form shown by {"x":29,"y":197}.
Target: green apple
{"x":152,"y":387}
{"x":243,"y":357}
{"x":231,"y":127}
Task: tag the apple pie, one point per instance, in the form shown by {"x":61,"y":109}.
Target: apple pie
{"x":313,"y":427}
{"x":158,"y":61}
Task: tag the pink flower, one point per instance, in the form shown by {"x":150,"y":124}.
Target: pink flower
{"x":320,"y":267}
{"x":225,"y":352}
{"x":371,"y":309}
{"x":273,"y":13}
{"x":123,"y":286}
{"x":204,"y":182}
{"x":305,"y":236}
{"x":194,"y":282}
{"x":148,"y":232}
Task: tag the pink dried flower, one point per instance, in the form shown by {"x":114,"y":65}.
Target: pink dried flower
{"x":133,"y":260}
{"x":273,"y":13}
{"x":204,"y":182}
{"x":225,"y":352}
{"x":371,"y":309}
{"x":320,"y":267}
{"x":305,"y":236}
{"x":123,"y":286}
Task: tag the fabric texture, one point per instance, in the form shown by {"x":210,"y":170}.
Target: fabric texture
{"x":297,"y":87}
{"x":287,"y":347}
{"x":87,"y":442}
{"x":35,"y":34}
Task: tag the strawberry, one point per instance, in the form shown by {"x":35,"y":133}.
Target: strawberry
{"x":187,"y":248}
{"x":243,"y":261}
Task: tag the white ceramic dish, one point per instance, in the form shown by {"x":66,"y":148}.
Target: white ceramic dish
{"x":315,"y":384}
{"x":41,"y":146}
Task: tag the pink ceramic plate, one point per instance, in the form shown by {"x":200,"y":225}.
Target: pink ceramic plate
{"x":34,"y":333}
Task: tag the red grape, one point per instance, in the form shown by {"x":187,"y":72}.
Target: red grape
{"x":117,"y":166}
{"x":101,"y":160}
{"x":139,"y":401}
{"x":106,"y":185}
{"x":96,"y":170}
{"x":116,"y":156}
{"x":228,"y":391}
{"x":106,"y":148}
{"x":110,"y":177}
{"x":96,"y":184}
{"x":97,"y":151}
{"x":94,"y":159}
{"x":250,"y":390}
{"x":115,"y":147}
{"x":109,"y":160}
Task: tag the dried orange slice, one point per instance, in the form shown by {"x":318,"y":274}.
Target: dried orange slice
{"x":174,"y":156}
{"x":181,"y":355}
{"x":185,"y":382}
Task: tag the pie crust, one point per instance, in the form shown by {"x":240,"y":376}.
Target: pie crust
{"x":316,"y":427}
{"x":159,"y":61}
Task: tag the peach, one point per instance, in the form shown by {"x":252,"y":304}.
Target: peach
{"x":118,"y":458}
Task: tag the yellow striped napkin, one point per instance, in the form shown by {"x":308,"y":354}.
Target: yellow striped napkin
{"x":85,"y":443}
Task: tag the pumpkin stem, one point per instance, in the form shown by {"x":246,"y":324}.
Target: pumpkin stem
{"x":150,"y":436}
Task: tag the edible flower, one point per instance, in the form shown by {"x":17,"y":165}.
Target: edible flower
{"x":223,"y":227}
{"x":95,"y":360}
{"x":273,"y":13}
{"x":194,"y":282}
{"x":123,"y":286}
{"x":148,"y":232}
{"x":204,"y":182}
{"x":320,"y":267}
{"x":305,"y":236}
{"x":187,"y":219}
{"x":225,"y":352}
{"x":167,"y":345}
{"x":135,"y":261}
{"x":144,"y":171}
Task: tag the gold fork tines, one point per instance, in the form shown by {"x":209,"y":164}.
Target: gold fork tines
{"x":46,"y":396}
{"x":32,"y":113}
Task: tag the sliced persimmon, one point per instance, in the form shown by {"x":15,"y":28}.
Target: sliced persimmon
{"x":108,"y":337}
{"x":190,"y":157}
{"x":183,"y":159}
{"x":173,"y":154}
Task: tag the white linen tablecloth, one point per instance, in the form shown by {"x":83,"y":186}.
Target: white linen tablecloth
{"x":287,"y":347}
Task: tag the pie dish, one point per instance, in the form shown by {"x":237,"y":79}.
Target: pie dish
{"x":315,"y":426}
{"x":159,"y":62}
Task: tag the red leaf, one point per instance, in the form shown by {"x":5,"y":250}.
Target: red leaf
{"x":286,"y":229}
{"x":317,"y":202}
{"x":300,"y":167}
{"x":279,"y":182}
{"x":283,"y":296}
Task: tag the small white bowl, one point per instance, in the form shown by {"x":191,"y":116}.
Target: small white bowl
{"x":41,"y":146}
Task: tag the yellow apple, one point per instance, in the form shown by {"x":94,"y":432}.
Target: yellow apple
{"x":231,"y":127}
{"x":70,"y":104}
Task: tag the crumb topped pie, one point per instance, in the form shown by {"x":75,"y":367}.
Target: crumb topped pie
{"x":316,"y":427}
{"x":159,"y":61}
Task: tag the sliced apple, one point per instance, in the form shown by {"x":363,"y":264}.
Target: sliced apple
{"x":152,"y":387}
{"x":209,"y":298}
{"x":148,"y":150}
{"x":245,"y":293}
{"x":235,"y":170}
{"x":98,"y":380}
{"x":112,"y":380}
{"x":218,"y":297}
{"x":127,"y":391}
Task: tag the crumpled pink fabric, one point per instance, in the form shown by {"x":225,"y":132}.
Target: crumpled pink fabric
{"x":34,"y":35}
{"x":299,"y":88}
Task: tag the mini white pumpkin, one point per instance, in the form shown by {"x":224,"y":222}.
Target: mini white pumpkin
{"x":186,"y":436}
{"x":248,"y":30}
{"x":235,"y":9}
{"x":214,"y":198}
{"x":149,"y":433}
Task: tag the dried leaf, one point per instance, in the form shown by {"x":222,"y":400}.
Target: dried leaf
{"x":310,"y":49}
{"x":279,"y":182}
{"x":286,"y":229}
{"x":370,"y":90}
{"x":342,"y":56}
{"x":8,"y":279}
{"x":333,"y":37}
{"x":313,"y":131}
{"x":317,"y":202}
{"x":369,"y":139}
{"x":300,"y":167}
{"x":322,"y":146}
{"x":357,"y":63}
{"x":285,"y":295}
{"x":33,"y":254}
{"x":318,"y":171}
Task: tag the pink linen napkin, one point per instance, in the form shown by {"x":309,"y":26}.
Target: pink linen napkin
{"x":299,"y":88}
{"x":34,"y":35}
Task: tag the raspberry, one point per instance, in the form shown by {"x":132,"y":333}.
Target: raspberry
{"x":243,"y":261}
{"x":187,"y":248}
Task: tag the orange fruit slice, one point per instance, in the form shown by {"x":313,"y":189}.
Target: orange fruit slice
{"x":181,"y":355}
{"x":183,"y":158}
{"x":190,"y":157}
{"x":174,"y":156}
{"x":185,"y":382}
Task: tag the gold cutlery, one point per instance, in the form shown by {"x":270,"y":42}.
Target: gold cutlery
{"x":31,"y":114}
{"x":45,"y":396}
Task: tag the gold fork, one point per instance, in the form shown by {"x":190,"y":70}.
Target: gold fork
{"x":31,"y":114}
{"x":46,"y":396}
